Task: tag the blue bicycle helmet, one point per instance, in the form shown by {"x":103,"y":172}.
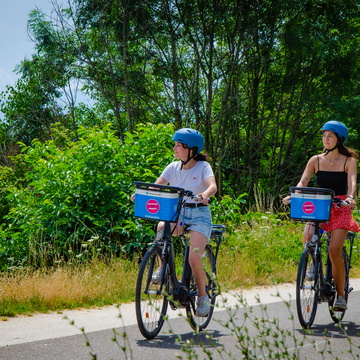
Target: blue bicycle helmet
{"x":337,"y":127}
{"x":190,"y":137}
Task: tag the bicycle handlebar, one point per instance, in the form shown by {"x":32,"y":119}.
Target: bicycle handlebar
{"x":336,"y":200}
{"x":191,"y":195}
{"x":340,"y":203}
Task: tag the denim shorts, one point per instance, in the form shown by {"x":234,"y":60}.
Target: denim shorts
{"x":197,"y":219}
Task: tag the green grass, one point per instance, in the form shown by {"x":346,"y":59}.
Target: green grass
{"x":261,"y":251}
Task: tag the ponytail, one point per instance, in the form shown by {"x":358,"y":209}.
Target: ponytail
{"x":202,"y":157}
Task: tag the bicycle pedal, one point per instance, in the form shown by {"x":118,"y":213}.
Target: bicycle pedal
{"x":350,"y":289}
{"x":172,"y":305}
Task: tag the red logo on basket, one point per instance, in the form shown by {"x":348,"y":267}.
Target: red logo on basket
{"x":308,"y":207}
{"x":152,"y":206}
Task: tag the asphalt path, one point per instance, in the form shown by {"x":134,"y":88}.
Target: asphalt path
{"x":260,"y":323}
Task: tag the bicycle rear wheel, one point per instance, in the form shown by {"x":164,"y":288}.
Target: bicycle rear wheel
{"x":151,"y":302}
{"x":306,"y":289}
{"x":337,"y":316}
{"x":199,"y":323}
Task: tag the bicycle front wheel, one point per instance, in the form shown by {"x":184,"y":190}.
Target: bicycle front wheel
{"x":151,"y":302}
{"x":306,"y":289}
{"x":338,"y":315}
{"x":199,"y":323}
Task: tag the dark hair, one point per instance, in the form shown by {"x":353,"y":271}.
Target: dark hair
{"x":345,"y":150}
{"x":202,"y":157}
{"x":198,"y":157}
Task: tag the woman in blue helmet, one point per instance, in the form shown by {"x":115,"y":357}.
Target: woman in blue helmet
{"x":193,"y":172}
{"x":335,"y":168}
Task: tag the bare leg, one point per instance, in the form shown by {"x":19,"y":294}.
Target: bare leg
{"x":178,"y":231}
{"x":338,"y":271}
{"x":160,"y":227}
{"x":308,"y":233}
{"x":198,"y":242}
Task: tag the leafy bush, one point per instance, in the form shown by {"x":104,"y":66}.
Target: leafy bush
{"x":79,"y":192}
{"x":6,"y":181}
{"x":227,"y":211}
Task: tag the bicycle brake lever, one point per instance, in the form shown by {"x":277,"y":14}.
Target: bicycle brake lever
{"x":188,"y":193}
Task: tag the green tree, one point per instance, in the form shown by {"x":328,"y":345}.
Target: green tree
{"x":30,"y":107}
{"x":258,"y":78}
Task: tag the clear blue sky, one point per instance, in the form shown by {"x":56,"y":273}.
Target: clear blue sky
{"x":15,"y":44}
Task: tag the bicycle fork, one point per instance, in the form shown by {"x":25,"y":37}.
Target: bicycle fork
{"x":314,"y":249}
{"x":328,"y":290}
{"x":175,"y":290}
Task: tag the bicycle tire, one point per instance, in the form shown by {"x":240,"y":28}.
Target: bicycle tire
{"x":337,"y":316}
{"x":307,"y":293}
{"x":196,"y":322}
{"x":151,"y":302}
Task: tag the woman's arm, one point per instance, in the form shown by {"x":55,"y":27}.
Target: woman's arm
{"x":351,"y":169}
{"x":210,"y":191}
{"x":161,"y":181}
{"x":309,"y":171}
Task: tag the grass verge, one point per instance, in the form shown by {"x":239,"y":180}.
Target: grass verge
{"x":262,"y":251}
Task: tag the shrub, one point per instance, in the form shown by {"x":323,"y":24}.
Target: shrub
{"x":80,"y":191}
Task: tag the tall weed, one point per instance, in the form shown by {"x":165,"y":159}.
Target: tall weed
{"x":25,"y":291}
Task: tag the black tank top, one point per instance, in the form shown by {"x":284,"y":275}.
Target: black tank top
{"x":334,"y":180}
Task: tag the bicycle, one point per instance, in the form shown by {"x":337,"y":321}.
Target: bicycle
{"x":153,"y":297}
{"x":314,"y":282}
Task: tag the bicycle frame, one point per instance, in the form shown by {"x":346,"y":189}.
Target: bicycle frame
{"x":315,"y":283}
{"x":322,"y":283}
{"x":315,"y":245}
{"x":155,"y":290}
{"x":180,"y":292}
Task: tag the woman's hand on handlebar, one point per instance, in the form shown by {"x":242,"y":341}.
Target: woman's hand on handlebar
{"x":286,"y":200}
{"x":351,"y":202}
{"x":198,"y":198}
{"x":204,"y":198}
{"x":346,"y":202}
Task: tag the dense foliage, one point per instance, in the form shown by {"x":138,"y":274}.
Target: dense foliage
{"x":74,"y":200}
{"x":258,"y":78}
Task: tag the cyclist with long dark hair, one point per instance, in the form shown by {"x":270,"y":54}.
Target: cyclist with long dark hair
{"x":335,"y":168}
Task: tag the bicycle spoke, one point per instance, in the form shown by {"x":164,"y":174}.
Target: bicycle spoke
{"x":306,"y":292}
{"x":151,"y":302}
